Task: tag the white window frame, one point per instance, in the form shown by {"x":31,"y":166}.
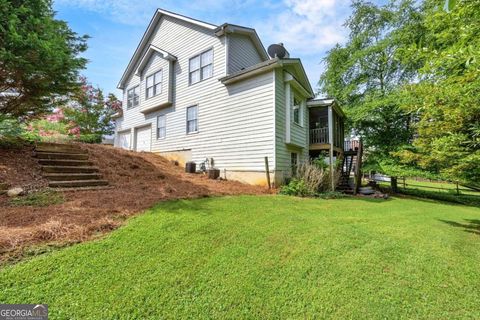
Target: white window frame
{"x":297,"y":108}
{"x":131,"y":101}
{"x":201,"y":67}
{"x":159,"y":128}
{"x":156,"y":86}
{"x":191,"y":120}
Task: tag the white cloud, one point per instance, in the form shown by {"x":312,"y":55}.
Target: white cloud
{"x":307,"y":27}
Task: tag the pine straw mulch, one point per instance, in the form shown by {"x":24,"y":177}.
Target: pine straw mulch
{"x":139,"y":180}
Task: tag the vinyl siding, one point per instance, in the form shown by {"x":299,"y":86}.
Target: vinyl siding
{"x":298,"y":135}
{"x":235,"y":122}
{"x":155,"y":64}
{"x":242,"y":53}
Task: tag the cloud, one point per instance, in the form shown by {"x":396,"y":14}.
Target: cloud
{"x":307,"y":26}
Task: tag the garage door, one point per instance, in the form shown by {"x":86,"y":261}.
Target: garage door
{"x":143,"y":139}
{"x":124,"y":140}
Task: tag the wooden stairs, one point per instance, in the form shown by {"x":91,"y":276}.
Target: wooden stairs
{"x":67,"y":166}
{"x":352,"y":162}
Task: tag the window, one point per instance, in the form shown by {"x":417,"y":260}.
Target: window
{"x":133,"y":97}
{"x":201,"y":67}
{"x":294,"y":162}
{"x":192,"y":119}
{"x":161,"y":126}
{"x":297,"y":106}
{"x":154,"y":84}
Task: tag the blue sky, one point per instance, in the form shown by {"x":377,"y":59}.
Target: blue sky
{"x":308,"y":28}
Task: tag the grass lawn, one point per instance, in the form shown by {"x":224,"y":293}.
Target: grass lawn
{"x":266,"y":257}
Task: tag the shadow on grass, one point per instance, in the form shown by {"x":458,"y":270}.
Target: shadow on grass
{"x":471,"y":225}
{"x":442,"y":197}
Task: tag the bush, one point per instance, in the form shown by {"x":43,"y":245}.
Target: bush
{"x":311,"y":179}
{"x":89,"y":138}
{"x":296,"y":187}
{"x":10,"y":132}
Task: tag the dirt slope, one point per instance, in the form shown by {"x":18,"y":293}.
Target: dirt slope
{"x":139,"y":180}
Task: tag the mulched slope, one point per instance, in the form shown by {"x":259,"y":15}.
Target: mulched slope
{"x":139,"y":180}
{"x":19,"y":168}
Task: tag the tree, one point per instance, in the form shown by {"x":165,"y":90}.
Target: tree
{"x":446,"y":100}
{"x":89,"y":114}
{"x":365,"y":75}
{"x":38,"y":57}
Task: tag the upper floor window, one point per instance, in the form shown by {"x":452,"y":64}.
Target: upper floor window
{"x":161,"y":126}
{"x":192,"y":119}
{"x":297,"y":107}
{"x":154,"y":84}
{"x":201,"y":67}
{"x":133,"y":97}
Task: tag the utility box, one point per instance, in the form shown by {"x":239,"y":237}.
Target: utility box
{"x":213,"y":173}
{"x":190,"y":167}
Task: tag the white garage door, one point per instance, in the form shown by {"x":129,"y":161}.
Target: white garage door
{"x":143,"y":139}
{"x":124,"y":140}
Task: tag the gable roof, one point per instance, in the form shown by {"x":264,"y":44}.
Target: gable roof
{"x":146,"y":36}
{"x":153,"y":49}
{"x":216,"y":30}
{"x":250,"y":32}
{"x":294,"y":65}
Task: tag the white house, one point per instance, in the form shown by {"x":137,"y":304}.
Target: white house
{"x":194,"y":90}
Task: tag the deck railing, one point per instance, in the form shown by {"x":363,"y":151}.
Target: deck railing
{"x":351,"y":145}
{"x":319,"y":135}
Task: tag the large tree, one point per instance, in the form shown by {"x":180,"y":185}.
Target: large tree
{"x":446,"y":100}
{"x":365,"y":74}
{"x":39,"y":57}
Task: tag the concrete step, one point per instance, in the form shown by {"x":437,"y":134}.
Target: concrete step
{"x":72,"y":176}
{"x":77,"y":183}
{"x":60,"y":162}
{"x":62,"y":156}
{"x":59,"y":148}
{"x":69,"y":169}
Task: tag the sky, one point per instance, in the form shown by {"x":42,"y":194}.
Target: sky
{"x":308,"y":28}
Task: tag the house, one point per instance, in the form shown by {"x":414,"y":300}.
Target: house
{"x":194,"y":91}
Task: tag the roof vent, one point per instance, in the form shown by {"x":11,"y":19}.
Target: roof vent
{"x":278,"y":51}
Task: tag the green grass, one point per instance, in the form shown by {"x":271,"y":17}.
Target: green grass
{"x":271,"y":257}
{"x":38,"y":199}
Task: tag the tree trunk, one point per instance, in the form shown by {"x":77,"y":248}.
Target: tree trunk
{"x":393,"y":184}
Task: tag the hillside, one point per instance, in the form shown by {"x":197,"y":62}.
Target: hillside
{"x":137,"y":180}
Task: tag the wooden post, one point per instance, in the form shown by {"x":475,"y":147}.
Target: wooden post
{"x":267,"y":171}
{"x":358,"y":166}
{"x":404,"y":184}
{"x":458,"y":190}
{"x":330,"y":141}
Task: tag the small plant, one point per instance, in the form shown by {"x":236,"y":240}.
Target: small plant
{"x":296,"y":187}
{"x":39,"y":199}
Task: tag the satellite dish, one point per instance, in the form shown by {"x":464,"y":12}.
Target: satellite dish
{"x":277,"y":51}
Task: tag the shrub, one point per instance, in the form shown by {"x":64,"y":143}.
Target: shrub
{"x":296,"y":187}
{"x":89,"y":138}
{"x":311,"y":179}
{"x":10,"y":131}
